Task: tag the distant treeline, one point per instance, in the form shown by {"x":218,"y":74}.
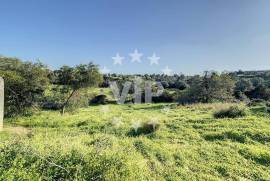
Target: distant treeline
{"x":34,"y":85}
{"x":209,"y":87}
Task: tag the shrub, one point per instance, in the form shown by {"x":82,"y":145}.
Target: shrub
{"x":231,"y":112}
{"x":54,"y":97}
{"x":185,"y":98}
{"x":50,"y":105}
{"x":260,"y":92}
{"x":257,"y":102}
{"x":167,"y":96}
{"x":268,"y":110}
{"x":146,"y":128}
{"x":100,"y":99}
{"x":150,"y":127}
{"x":211,"y":87}
{"x":25,"y":83}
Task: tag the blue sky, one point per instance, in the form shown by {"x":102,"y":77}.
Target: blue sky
{"x":189,"y":36}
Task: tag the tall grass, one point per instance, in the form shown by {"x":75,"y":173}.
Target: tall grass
{"x":188,"y":144}
{"x":231,"y":112}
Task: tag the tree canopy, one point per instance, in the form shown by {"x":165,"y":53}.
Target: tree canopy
{"x":78,"y":77}
{"x":25,"y":83}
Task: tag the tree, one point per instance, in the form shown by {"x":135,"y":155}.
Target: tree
{"x":25,"y":84}
{"x":244,"y":85}
{"x":258,"y":81}
{"x":75,"y":78}
{"x":209,"y":88}
{"x":181,"y":85}
{"x":261,"y":92}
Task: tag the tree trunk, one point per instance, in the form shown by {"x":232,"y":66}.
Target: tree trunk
{"x":62,"y":112}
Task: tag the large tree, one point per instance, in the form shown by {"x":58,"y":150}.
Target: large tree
{"x":25,"y":83}
{"x":74,"y":78}
{"x":211,"y":87}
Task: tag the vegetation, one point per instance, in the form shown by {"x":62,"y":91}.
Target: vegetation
{"x":55,"y":89}
{"x":190,"y":144}
{"x":181,"y":136}
{"x":73,"y":79}
{"x":25,"y":83}
{"x":231,"y":112}
{"x":100,"y":99}
{"x":210,"y":88}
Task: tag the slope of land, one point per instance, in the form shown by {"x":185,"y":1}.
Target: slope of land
{"x":98,"y":143}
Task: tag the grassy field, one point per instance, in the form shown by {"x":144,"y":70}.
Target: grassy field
{"x":98,"y":143}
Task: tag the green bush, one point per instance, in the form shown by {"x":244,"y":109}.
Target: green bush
{"x":55,"y":96}
{"x":150,"y":127}
{"x":257,"y":102}
{"x":25,"y":83}
{"x":268,"y":110}
{"x":99,"y":99}
{"x":167,"y":96}
{"x":145,"y":128}
{"x":185,"y":98}
{"x":231,"y":112}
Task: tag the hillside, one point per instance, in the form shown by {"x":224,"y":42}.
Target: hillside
{"x":98,"y":143}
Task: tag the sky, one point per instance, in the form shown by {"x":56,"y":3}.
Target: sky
{"x":189,"y":36}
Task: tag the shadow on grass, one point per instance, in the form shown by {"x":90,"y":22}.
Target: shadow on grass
{"x":234,"y":136}
{"x":261,"y":157}
{"x":256,"y":110}
{"x":154,"y":107}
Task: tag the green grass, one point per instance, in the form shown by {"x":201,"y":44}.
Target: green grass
{"x":190,"y":144}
